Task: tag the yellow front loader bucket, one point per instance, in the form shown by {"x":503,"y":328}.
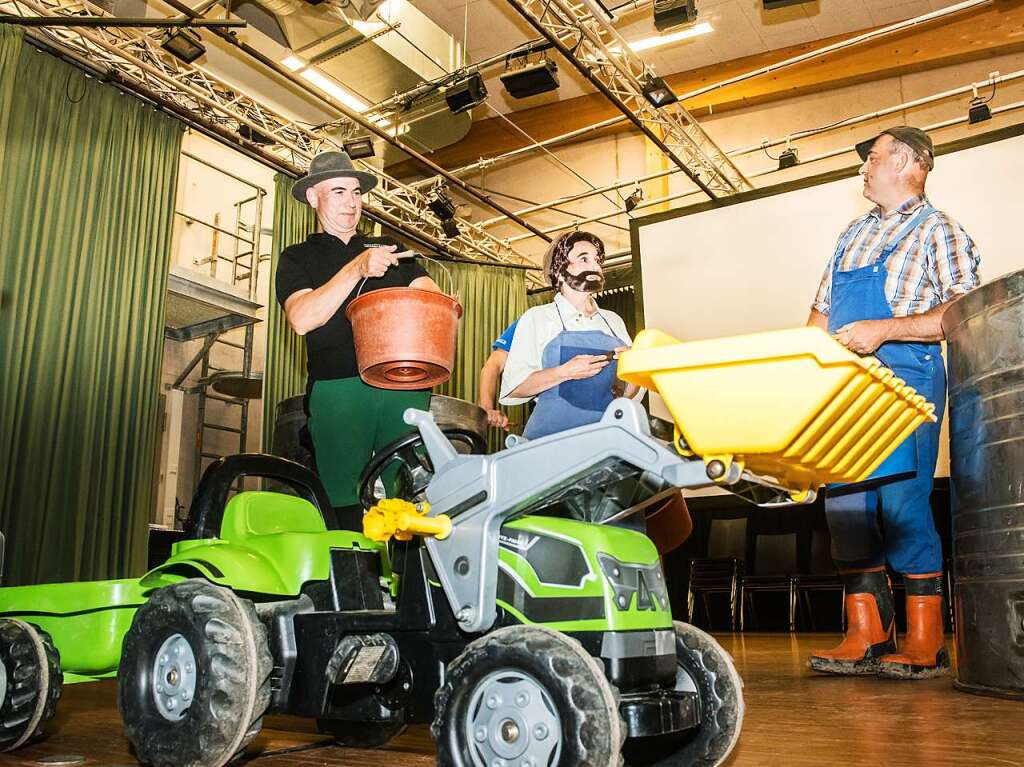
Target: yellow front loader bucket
{"x":791,"y":405}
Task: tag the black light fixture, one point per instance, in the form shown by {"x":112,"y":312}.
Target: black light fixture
{"x":359,"y":148}
{"x":978,"y":111}
{"x":253,"y":135}
{"x":441,"y":205}
{"x":532,"y":79}
{"x":789,"y":158}
{"x":183,"y":45}
{"x":673,"y":13}
{"x":450,"y":228}
{"x":467,"y":94}
{"x":634,"y":198}
{"x":771,"y":5}
{"x":656,"y":90}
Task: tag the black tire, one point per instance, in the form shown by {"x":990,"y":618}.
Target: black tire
{"x":360,"y":734}
{"x":31,"y":682}
{"x":576,"y":698}
{"x":230,"y":687}
{"x":703,"y":665}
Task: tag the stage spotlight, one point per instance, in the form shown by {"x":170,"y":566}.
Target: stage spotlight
{"x":634,"y":199}
{"x":789,"y":158}
{"x":183,"y":45}
{"x":450,"y":228}
{"x":255,"y":136}
{"x":978,"y":112}
{"x":467,"y":94}
{"x":673,"y":13}
{"x":656,"y":91}
{"x":531,"y":79}
{"x":359,"y":148}
{"x":441,"y":205}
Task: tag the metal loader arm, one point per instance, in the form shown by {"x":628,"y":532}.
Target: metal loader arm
{"x":479,"y":493}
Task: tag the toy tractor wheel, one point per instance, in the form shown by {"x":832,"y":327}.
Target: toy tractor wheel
{"x":194,"y":679}
{"x":708,"y":670}
{"x":526,"y":695}
{"x":30,"y":682}
{"x":360,"y":734}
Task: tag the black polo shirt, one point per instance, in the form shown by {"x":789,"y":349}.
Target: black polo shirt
{"x":311,"y":264}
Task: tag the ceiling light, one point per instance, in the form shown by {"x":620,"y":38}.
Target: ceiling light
{"x":634,"y":199}
{"x":183,"y":45}
{"x":450,"y":228}
{"x":656,"y":41}
{"x":657,"y":92}
{"x":327,"y":85}
{"x":255,"y":136}
{"x":789,"y":158}
{"x":531,"y":79}
{"x":359,"y":148}
{"x":441,"y":205}
{"x":978,"y":112}
{"x":330,"y":87}
{"x":467,"y":94}
{"x":672,"y":13}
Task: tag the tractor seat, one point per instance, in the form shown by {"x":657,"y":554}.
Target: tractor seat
{"x":256,"y":512}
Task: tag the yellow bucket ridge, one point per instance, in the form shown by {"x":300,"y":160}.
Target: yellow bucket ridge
{"x":792,"y":405}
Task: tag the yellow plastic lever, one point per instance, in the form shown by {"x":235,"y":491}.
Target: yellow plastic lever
{"x":395,"y":518}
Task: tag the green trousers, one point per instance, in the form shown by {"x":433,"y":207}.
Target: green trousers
{"x":349,"y":421}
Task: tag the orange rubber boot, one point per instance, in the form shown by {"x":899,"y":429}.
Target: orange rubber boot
{"x":870,"y":626}
{"x":923,"y":654}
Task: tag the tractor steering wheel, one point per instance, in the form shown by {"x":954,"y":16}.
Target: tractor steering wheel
{"x":407,"y":457}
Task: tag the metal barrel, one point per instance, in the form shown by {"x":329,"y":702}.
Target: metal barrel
{"x":287,"y":440}
{"x":985,"y":334}
{"x":451,"y":414}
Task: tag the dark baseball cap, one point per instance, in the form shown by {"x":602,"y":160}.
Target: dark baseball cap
{"x":915,"y":138}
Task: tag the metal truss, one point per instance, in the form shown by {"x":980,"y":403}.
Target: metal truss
{"x":134,"y":59}
{"x":581,"y":32}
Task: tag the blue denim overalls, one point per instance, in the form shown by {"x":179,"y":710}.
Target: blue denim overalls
{"x":903,"y":483}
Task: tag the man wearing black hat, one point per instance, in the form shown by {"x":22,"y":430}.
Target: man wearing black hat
{"x":883,"y":293}
{"x":315,"y":281}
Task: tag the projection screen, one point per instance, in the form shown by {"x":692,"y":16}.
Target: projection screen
{"x":754,"y":263}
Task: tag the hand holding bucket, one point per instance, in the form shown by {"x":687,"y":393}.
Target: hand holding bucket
{"x":404,"y":337}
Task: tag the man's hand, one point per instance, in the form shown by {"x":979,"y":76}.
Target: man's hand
{"x":865,"y":336}
{"x":583,"y":366}
{"x":374,"y":262}
{"x":498,"y":419}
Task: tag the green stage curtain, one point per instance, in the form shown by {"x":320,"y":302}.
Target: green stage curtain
{"x":285,"y":374}
{"x":491,"y":297}
{"x":86,"y":213}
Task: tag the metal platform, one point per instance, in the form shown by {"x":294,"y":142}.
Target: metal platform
{"x":198,"y":306}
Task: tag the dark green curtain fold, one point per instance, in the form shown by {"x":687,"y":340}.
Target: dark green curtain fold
{"x":492,"y":297}
{"x":285,"y":373}
{"x":86,"y":213}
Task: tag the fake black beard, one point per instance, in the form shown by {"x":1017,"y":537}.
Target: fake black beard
{"x":585,"y":282}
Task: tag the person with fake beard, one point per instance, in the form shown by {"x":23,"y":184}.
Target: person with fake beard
{"x":563,"y":353}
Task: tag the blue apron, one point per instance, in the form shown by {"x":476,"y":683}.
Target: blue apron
{"x":859,"y":294}
{"x":574,"y":403}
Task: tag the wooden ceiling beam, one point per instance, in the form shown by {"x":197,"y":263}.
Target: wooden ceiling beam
{"x":990,"y":31}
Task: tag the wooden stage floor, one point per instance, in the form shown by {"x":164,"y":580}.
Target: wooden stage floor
{"x":794,"y":718}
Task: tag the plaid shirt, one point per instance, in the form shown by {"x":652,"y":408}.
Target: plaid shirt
{"x":934,"y":263}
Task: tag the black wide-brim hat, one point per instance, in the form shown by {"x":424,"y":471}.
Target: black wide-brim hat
{"x":331,"y":165}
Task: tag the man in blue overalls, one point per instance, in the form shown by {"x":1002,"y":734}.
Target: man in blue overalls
{"x":884,"y":293}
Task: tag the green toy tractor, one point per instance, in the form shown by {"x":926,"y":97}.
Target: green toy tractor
{"x":529,"y":626}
